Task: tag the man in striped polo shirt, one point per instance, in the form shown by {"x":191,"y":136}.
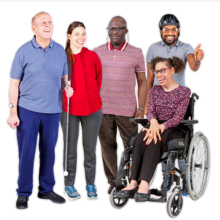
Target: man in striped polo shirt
{"x":121,"y":65}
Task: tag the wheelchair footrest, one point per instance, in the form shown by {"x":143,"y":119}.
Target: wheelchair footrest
{"x":157,"y":192}
{"x":161,"y":199}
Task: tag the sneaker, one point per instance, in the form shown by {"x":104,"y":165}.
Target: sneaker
{"x":169,"y":184}
{"x":71,"y":193}
{"x":22,"y":202}
{"x":185,"y":190}
{"x":91,"y":192}
{"x":52,"y":196}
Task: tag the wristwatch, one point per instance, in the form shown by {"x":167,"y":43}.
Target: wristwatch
{"x":10,"y":105}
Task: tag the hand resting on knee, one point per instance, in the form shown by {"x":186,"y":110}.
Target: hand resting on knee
{"x":153,"y":131}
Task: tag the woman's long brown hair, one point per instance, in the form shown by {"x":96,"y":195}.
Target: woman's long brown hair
{"x":70,"y":29}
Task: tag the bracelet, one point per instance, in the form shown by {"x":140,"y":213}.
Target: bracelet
{"x":141,"y":109}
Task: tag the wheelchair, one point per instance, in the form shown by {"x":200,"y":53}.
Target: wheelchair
{"x":194,"y":148}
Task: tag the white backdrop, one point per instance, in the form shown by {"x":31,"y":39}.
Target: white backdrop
{"x":199,"y":24}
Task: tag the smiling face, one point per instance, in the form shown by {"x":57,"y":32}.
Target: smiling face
{"x":117,"y":38}
{"x":78,"y":37}
{"x":170,"y":36}
{"x":166,"y":78}
{"x":42,"y":26}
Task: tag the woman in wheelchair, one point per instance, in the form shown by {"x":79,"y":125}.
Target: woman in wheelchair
{"x":167,"y":106}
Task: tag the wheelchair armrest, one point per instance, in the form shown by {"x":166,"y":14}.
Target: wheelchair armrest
{"x":191,"y":122}
{"x":143,"y":121}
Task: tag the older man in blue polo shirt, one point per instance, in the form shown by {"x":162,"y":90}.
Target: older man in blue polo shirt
{"x":35,"y":102}
{"x":169,"y":47}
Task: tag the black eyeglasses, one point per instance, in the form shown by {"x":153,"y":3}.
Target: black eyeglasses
{"x":118,"y":29}
{"x":173,"y":30}
{"x":162,"y":71}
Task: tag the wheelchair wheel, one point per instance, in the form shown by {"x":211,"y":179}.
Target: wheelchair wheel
{"x":172,"y":204}
{"x":198,"y":166}
{"x":117,"y":202}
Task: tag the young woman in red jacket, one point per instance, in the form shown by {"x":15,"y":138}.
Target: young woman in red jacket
{"x":85,"y":107}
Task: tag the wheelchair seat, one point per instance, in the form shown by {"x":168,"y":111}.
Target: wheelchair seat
{"x":176,"y":144}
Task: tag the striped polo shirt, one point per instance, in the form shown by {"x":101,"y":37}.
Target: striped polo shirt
{"x":119,"y":68}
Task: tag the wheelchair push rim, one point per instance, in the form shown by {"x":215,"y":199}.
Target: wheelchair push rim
{"x":198,"y":166}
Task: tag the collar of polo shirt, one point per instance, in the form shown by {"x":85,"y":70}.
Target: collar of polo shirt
{"x":121,"y":48}
{"x":176,"y":44}
{"x":36,"y":45}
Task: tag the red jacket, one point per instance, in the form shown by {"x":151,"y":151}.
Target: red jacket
{"x":86,"y":79}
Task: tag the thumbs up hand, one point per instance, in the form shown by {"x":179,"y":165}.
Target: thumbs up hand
{"x":198,"y":54}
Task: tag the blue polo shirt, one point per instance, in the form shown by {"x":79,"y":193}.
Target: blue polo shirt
{"x":40,"y":73}
{"x":180,"y":50}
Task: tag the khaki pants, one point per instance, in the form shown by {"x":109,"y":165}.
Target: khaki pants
{"x":107,"y":136}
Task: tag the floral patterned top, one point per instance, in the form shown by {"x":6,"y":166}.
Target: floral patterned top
{"x":170,"y":106}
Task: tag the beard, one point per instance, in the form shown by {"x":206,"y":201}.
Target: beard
{"x":170,"y":43}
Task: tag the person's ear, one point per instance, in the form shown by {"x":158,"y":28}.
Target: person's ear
{"x":68,"y":35}
{"x":33,"y":28}
{"x":172,"y":70}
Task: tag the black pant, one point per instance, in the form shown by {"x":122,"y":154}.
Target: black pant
{"x":146,"y":158}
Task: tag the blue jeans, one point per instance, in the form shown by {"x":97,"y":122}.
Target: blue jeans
{"x":32,"y":123}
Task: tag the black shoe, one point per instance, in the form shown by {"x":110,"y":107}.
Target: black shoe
{"x":122,"y":194}
{"x":52,"y":196}
{"x":142,"y":197}
{"x":111,"y":188}
{"x":22,"y":202}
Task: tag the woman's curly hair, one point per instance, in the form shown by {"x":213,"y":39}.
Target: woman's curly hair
{"x":176,"y":62}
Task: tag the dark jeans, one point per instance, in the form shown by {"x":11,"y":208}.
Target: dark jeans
{"x":90,"y":129}
{"x":32,"y":123}
{"x":146,"y":158}
{"x":107,"y":136}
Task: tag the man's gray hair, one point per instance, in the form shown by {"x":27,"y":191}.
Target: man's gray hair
{"x":33,"y":19}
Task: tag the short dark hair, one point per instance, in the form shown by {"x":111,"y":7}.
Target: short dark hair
{"x":119,"y":17}
{"x":175,"y":62}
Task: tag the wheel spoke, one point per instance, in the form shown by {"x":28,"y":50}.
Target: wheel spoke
{"x":201,"y":156}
